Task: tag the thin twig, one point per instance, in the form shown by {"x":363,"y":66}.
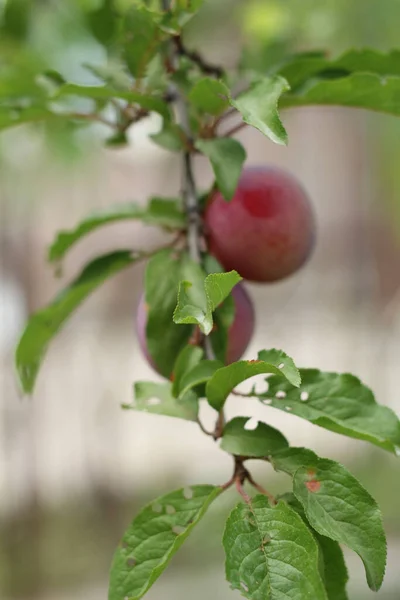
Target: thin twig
{"x":197,"y":59}
{"x":241,"y":491}
{"x":235,"y":129}
{"x":203,"y":429}
{"x":262,"y":490}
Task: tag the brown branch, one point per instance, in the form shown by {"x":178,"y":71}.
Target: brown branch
{"x":260,"y":489}
{"x":197,"y":59}
{"x":235,"y":129}
{"x":241,"y":491}
{"x":90,"y":117}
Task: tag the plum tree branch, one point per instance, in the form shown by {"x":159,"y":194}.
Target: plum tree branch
{"x":190,"y":196}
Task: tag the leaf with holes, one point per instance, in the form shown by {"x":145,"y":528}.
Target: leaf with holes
{"x":332,"y":565}
{"x":46,"y":323}
{"x":162,"y":212}
{"x":209,"y":96}
{"x":153,"y":538}
{"x":271,"y":553}
{"x":227,"y":157}
{"x":269,"y":361}
{"x":338,"y":402}
{"x":165,"y":270}
{"x":245,"y":436}
{"x":337,"y":506}
{"x":197,"y":299}
{"x":188,"y":358}
{"x":259,"y":107}
{"x":157,"y":398}
{"x":359,"y":90}
{"x":200,"y":374}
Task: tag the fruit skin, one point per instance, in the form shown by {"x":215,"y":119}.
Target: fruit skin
{"x":267,"y":231}
{"x":239,"y":334}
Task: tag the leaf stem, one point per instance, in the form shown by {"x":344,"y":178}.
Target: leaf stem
{"x":260,"y":489}
{"x":235,"y":129}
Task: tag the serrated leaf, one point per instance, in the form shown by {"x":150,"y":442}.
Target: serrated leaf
{"x":271,"y":554}
{"x":45,"y":324}
{"x":269,"y":361}
{"x":259,"y":107}
{"x":257,"y":442}
{"x":101,"y":92}
{"x":224,"y":314}
{"x":188,"y":358}
{"x":164,"y":339}
{"x":197,"y":299}
{"x":337,"y":506}
{"x":171,"y":137}
{"x":332,"y":565}
{"x":209,"y":96}
{"x":200,"y":374}
{"x":227,"y":157}
{"x":163,"y":212}
{"x":359,"y":90}
{"x":289,"y":460}
{"x":340,"y":403}
{"x":157,"y":398}
{"x":142,"y":35}
{"x":153,"y":538}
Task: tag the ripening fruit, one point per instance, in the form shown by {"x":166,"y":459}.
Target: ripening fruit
{"x":267,"y":231}
{"x":239,"y":335}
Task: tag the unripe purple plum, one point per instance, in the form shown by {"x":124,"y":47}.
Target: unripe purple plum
{"x":239,"y":334}
{"x":266,"y":232}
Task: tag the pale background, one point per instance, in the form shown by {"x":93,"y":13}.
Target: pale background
{"x":74,"y":467}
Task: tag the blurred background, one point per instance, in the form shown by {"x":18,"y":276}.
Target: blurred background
{"x":74,"y":468}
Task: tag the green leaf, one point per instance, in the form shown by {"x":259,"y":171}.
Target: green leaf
{"x":162,"y":212}
{"x":258,"y":442}
{"x":360,"y":90}
{"x":46,"y":323}
{"x":289,"y":460}
{"x":201,"y":373}
{"x":332,"y":564}
{"x":304,"y":66}
{"x":209,"y":96}
{"x":157,"y":398}
{"x":153,"y":538}
{"x":269,"y":361}
{"x":337,"y":506}
{"x":224,"y":314}
{"x":227,"y":157}
{"x":271,"y":554}
{"x":188,"y":358}
{"x":16,"y":19}
{"x":198,"y":299}
{"x":259,"y":107}
{"x":338,"y":402}
{"x":164,"y":339}
{"x":102,"y":92}
{"x":171,"y":137}
{"x":11,"y":117}
{"x":335,"y":574}
{"x":142,"y":36}
{"x":103,"y":22}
